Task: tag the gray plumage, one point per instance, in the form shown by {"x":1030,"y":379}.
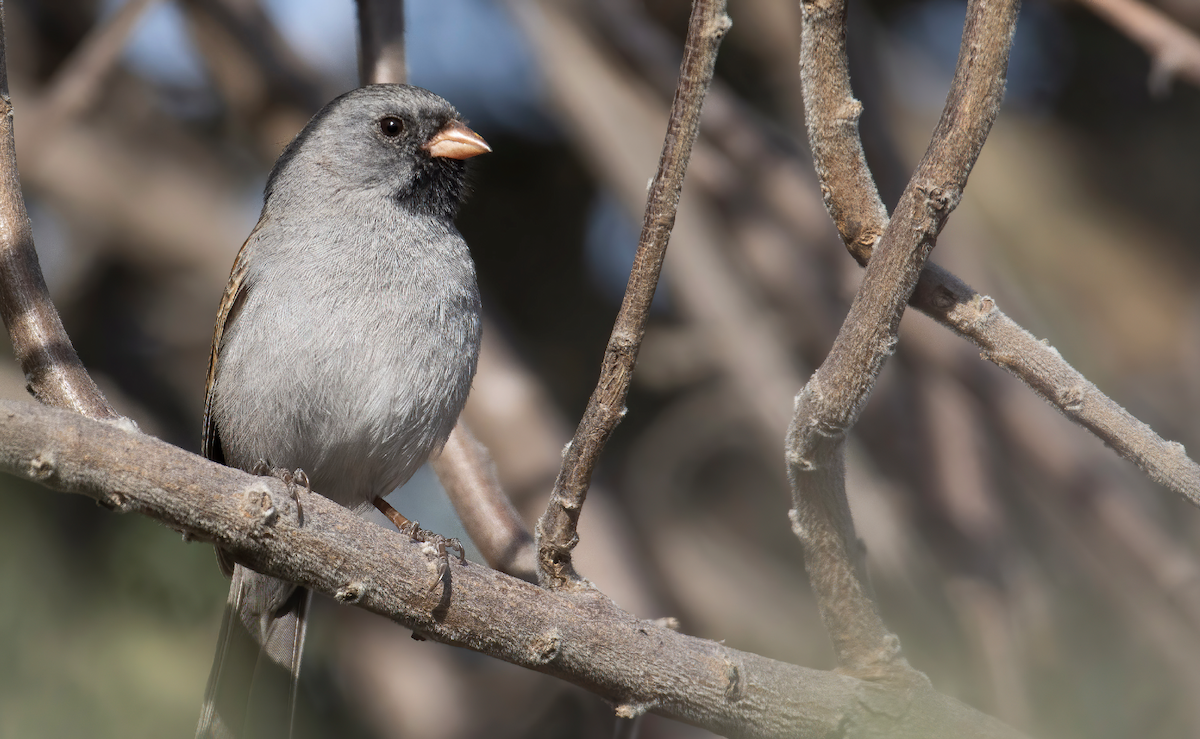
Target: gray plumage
{"x":345,"y":343}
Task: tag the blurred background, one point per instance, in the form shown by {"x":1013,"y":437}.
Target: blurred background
{"x":1027,"y":570}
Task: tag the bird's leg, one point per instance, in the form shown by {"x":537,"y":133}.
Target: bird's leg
{"x":294,"y":479}
{"x":413,"y":530}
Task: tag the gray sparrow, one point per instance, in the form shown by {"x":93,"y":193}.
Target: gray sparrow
{"x":345,"y":345}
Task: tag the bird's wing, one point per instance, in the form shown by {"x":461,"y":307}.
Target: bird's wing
{"x":231,"y":302}
{"x":251,"y":691}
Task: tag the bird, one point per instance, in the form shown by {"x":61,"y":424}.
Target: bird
{"x":345,"y":345}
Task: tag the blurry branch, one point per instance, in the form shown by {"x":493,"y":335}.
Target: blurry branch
{"x":467,"y":473}
{"x":78,"y":83}
{"x":831,"y":401}
{"x":1148,"y":579}
{"x":251,"y":63}
{"x":511,"y":413}
{"x":53,"y":372}
{"x":1173,"y":49}
{"x":381,"y":41}
{"x":557,"y":528}
{"x":850,"y":194}
{"x":188,"y":217}
{"x":576,"y":635}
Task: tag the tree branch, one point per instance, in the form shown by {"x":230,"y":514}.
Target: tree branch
{"x":1173,"y":49}
{"x":578,"y":636}
{"x":491,"y":520}
{"x":53,"y":373}
{"x":381,"y":42}
{"x":830,"y":403}
{"x":556,"y":531}
{"x":78,"y":82}
{"x":854,"y":203}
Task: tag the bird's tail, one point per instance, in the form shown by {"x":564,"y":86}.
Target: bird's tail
{"x":251,"y":691}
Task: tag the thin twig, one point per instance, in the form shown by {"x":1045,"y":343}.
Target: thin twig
{"x":53,"y":373}
{"x":556,"y":531}
{"x":850,"y":194}
{"x":610,"y":119}
{"x":1173,"y":49}
{"x":580,"y":637}
{"x":830,"y":403}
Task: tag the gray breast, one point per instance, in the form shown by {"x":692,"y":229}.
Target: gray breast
{"x":351,"y":366}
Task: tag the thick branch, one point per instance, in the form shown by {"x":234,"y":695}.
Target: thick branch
{"x":53,"y":372}
{"x":577,"y":636}
{"x":852,"y":200}
{"x":830,"y":403}
{"x":557,"y":528}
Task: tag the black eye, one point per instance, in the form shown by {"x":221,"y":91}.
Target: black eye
{"x":391,"y":127}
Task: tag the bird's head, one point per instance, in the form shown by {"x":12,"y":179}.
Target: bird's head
{"x":392,"y":141}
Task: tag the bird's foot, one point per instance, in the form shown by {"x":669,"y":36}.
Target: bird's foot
{"x":294,"y":479}
{"x":444,"y":544}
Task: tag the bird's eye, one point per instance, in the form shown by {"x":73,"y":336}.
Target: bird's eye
{"x":391,"y":127}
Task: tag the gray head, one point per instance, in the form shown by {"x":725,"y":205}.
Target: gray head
{"x":395,"y":142}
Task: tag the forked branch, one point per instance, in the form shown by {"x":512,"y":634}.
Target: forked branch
{"x":830,"y":403}
{"x":853,"y":201}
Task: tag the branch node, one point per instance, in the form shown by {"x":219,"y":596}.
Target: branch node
{"x":350,"y":593}
{"x":115,"y":502}
{"x":42,"y":466}
{"x":939,"y":201}
{"x":799,"y":461}
{"x":733,"y":682}
{"x":124,"y":423}
{"x":797,"y":527}
{"x":546,"y":647}
{"x":1072,"y":397}
{"x":258,"y":503}
{"x":670,"y":622}
{"x":632,"y":710}
{"x":720,"y":26}
{"x":850,"y":112}
{"x":623,"y":341}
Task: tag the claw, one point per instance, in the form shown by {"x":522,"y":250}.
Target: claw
{"x":414,"y":531}
{"x":292,"y":478}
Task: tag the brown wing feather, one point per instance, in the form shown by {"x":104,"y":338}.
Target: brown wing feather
{"x":235,"y":290}
{"x":231,"y":301}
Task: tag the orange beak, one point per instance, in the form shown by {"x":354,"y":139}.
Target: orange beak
{"x":456,"y":141}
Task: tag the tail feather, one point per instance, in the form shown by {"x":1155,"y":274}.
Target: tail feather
{"x":252,"y":688}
